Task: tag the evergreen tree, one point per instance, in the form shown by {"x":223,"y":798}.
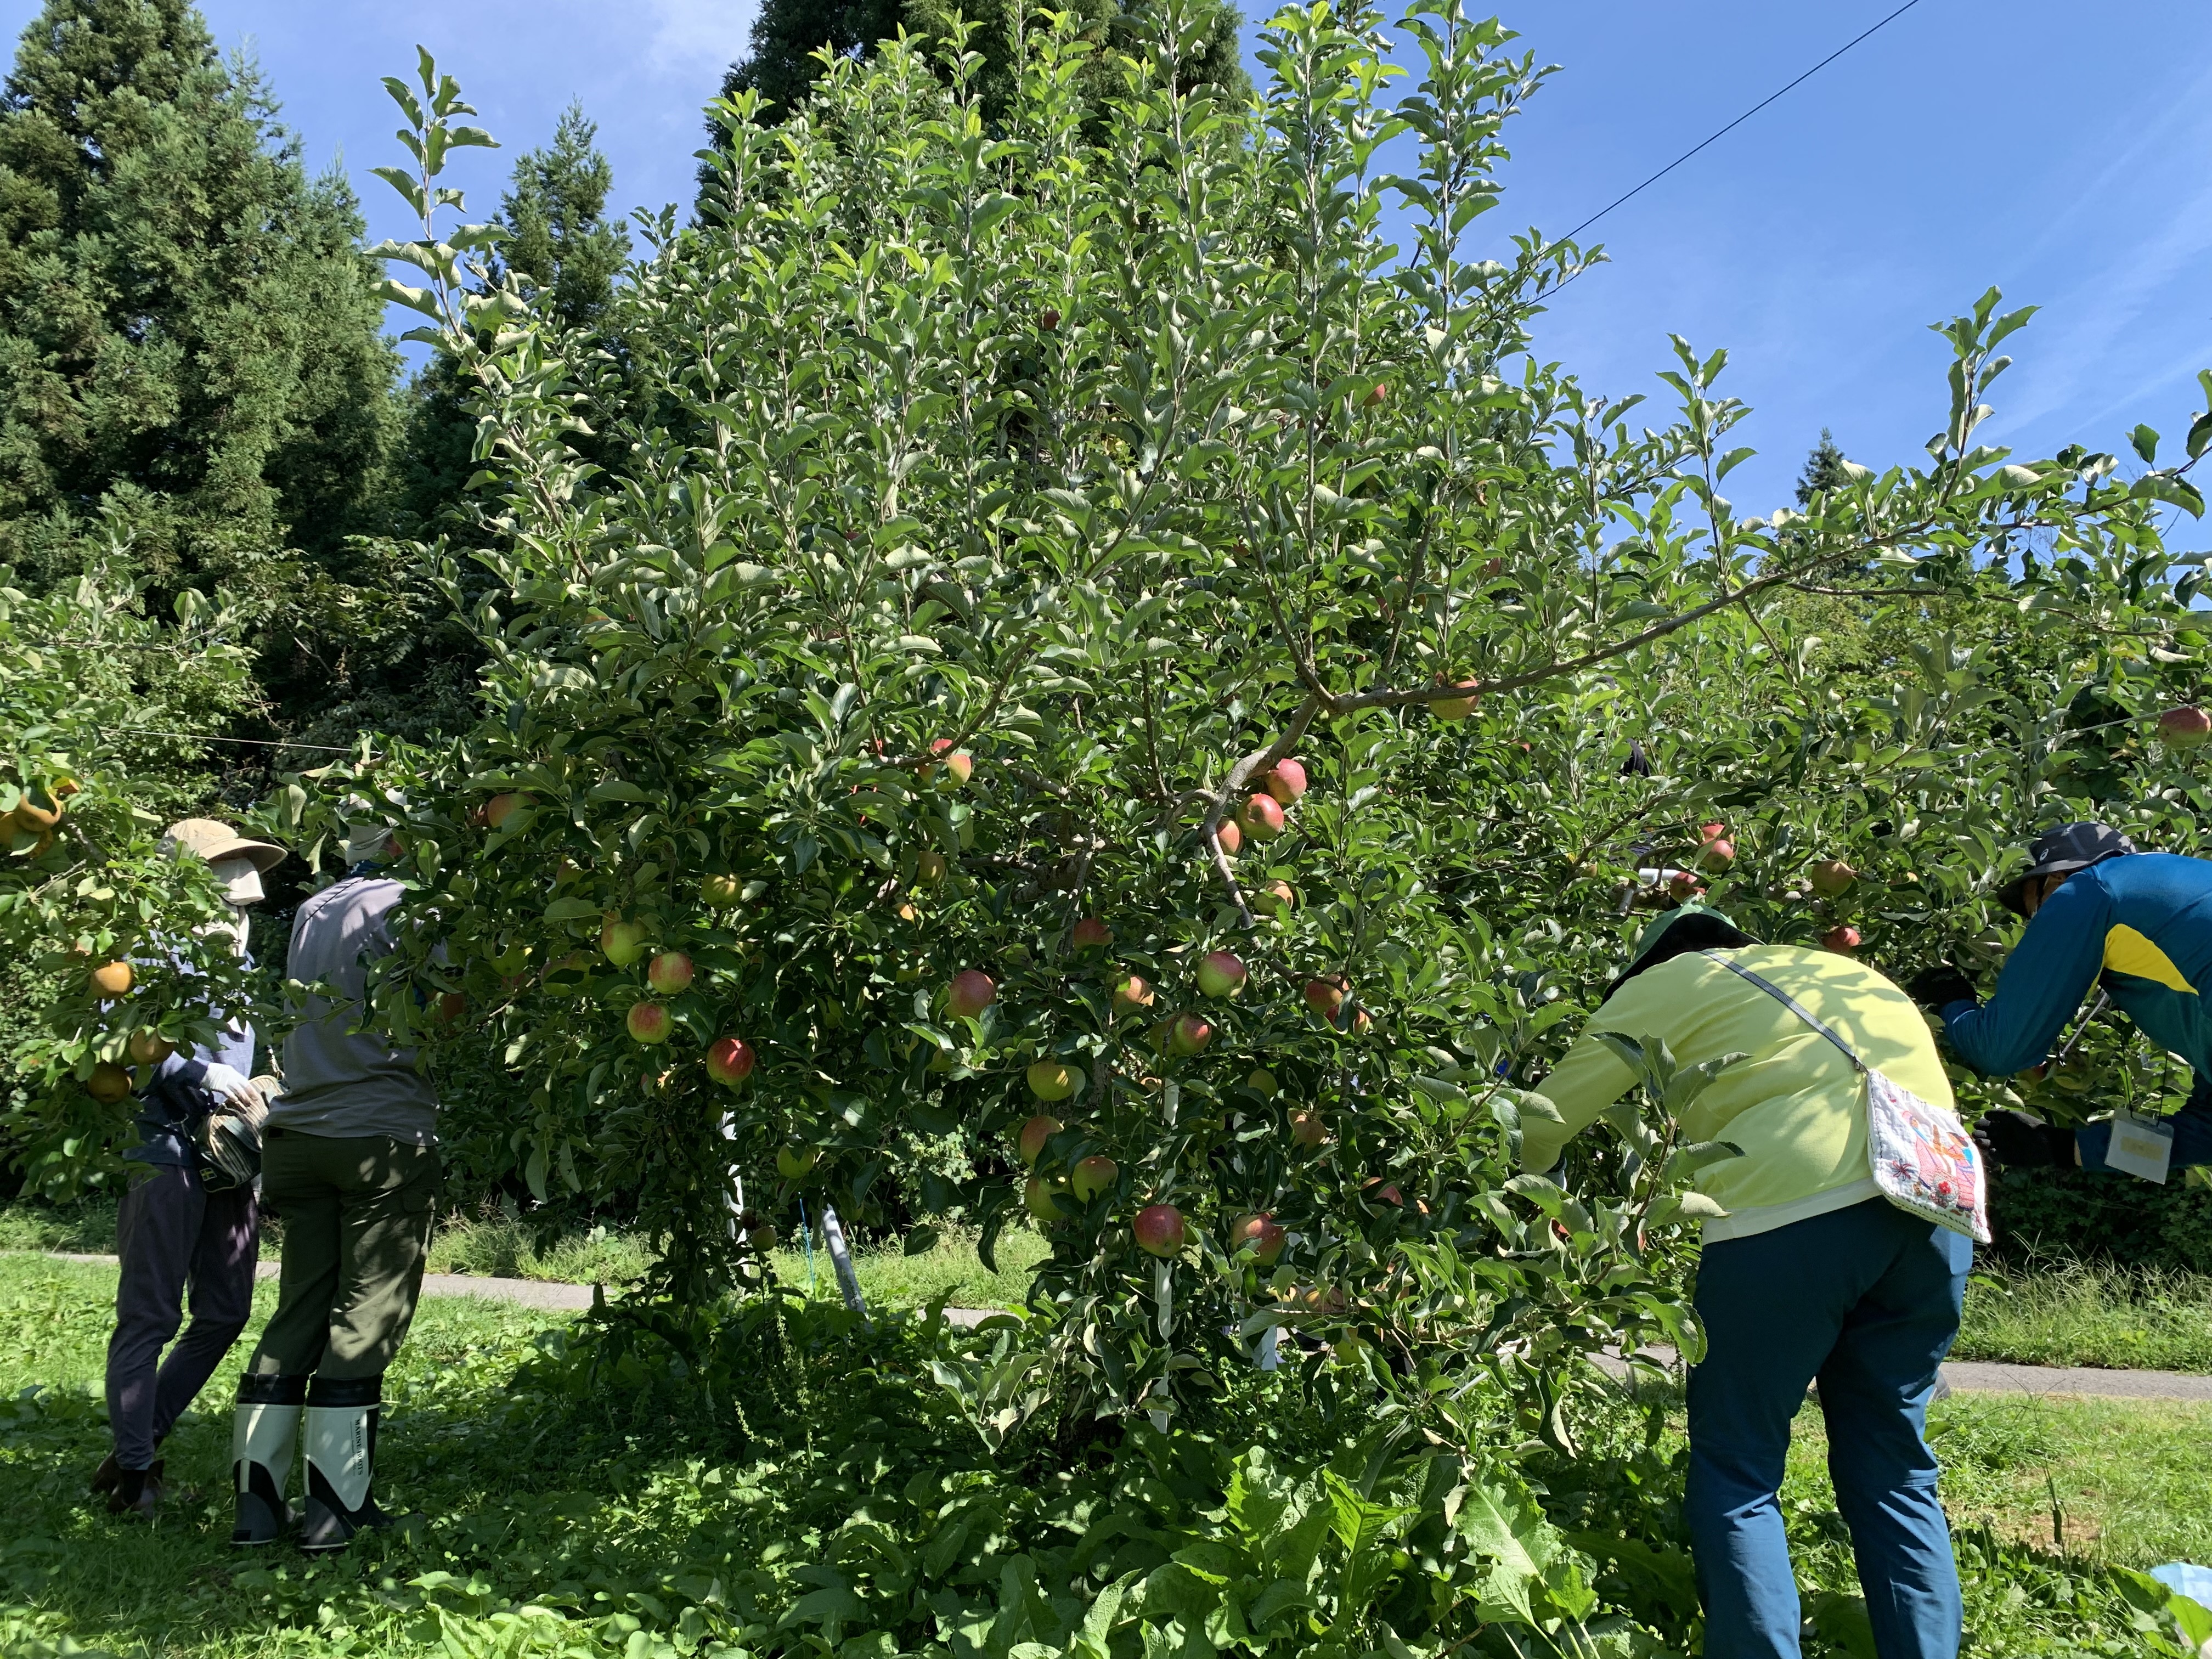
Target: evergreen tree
{"x":558,"y":237}
{"x":1824,"y":470}
{"x":786,"y":33}
{"x":192,"y":353}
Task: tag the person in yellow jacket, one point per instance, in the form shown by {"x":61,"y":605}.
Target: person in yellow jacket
{"x":1812,"y":1273}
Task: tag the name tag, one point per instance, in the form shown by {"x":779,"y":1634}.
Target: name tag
{"x":2140,"y":1147}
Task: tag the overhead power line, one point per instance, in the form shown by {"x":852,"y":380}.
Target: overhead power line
{"x":1739,"y":121}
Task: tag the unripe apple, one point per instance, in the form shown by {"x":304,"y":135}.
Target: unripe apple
{"x":1263,"y":1084}
{"x":1189,"y":1035}
{"x":1307,"y":1127}
{"x":1276,"y":898}
{"x":796,"y":1163}
{"x":1230,"y":837}
{"x":500,"y":808}
{"x":1054,"y":1079}
{"x":1132,"y":994}
{"x":111,"y":979}
{"x":1040,"y":1198}
{"x":1831,"y":877}
{"x":929,"y":865}
{"x":1030,"y":1139}
{"x":1094,"y":1176}
{"x":1263,"y":1234}
{"x":957,"y":763}
{"x":1325,"y":996}
{"x":720,"y":891}
{"x":1091,"y":934}
{"x":669,"y":973}
{"x":1261,"y":816}
{"x":1221,"y":973}
{"x":623,"y":942}
{"x":1456,"y":708}
{"x":1159,"y":1229}
{"x":2185,"y":727}
{"x":972,"y":991}
{"x":108,"y":1082}
{"x":731,"y":1060}
{"x":1843,"y":940}
{"x":1285,"y":781}
{"x":150,"y":1048}
{"x":649,"y":1022}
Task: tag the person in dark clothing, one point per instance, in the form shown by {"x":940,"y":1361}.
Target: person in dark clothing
{"x":352,"y":1161}
{"x":2099,"y":912}
{"x":173,"y":1232}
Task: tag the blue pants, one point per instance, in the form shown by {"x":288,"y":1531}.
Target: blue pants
{"x":1866,"y":1299}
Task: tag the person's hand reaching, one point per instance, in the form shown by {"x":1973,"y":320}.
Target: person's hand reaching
{"x":1936,"y":988}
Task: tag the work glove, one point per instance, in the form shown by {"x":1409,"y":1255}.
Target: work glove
{"x":2021,"y":1142}
{"x":1936,"y":988}
{"x":234,"y":1089}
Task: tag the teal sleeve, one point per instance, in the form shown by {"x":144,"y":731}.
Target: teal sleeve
{"x":2057,"y":960}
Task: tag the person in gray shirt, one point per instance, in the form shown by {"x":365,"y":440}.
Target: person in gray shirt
{"x":350,"y":1158}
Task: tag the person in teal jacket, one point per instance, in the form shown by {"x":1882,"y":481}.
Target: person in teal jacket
{"x":2099,"y":912}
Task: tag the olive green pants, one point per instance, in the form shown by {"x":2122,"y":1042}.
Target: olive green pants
{"x":356,"y":1214}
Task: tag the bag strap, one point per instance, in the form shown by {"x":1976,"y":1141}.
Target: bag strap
{"x":1788,"y":1002}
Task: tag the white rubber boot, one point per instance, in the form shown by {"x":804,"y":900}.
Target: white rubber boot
{"x":263,"y":1433}
{"x":341,"y":1444}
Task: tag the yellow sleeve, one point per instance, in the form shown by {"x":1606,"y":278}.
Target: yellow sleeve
{"x":1592,"y":1076}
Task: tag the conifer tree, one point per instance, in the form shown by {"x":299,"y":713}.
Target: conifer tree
{"x":558,"y":237}
{"x":192,"y":355}
{"x":1824,"y":470}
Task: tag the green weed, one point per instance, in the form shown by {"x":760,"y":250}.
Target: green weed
{"x":2074,"y":1313}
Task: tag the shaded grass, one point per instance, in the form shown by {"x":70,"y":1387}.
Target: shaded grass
{"x":950,"y":1267}
{"x":2089,"y":1314}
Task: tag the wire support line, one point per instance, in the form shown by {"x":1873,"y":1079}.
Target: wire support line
{"x":1739,"y":121}
{"x":256,"y":743}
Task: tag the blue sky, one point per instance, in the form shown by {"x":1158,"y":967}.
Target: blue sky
{"x":2057,"y":151}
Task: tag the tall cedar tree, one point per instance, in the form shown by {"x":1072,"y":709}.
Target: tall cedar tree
{"x":566,"y":254}
{"x":1824,"y":470}
{"x":190,"y":345}
{"x":781,"y":65}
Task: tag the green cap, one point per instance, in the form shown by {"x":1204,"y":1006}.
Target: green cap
{"x":1648,"y":939}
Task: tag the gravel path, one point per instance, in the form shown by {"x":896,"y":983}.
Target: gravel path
{"x":1961,"y":1375}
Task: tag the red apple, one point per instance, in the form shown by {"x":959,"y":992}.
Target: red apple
{"x":1130,"y":994}
{"x":669,"y":973}
{"x":1376,"y":395}
{"x":1843,"y":940}
{"x":1263,"y":1234}
{"x":731,"y":1060}
{"x":1456,"y":708}
{"x":1048,"y":319}
{"x":972,"y":991}
{"x":1261,"y":816}
{"x":1831,"y":877}
{"x":1159,"y":1229}
{"x":1285,"y":781}
{"x":1683,"y":887}
{"x":959,"y":765}
{"x":1276,"y":898}
{"x":1325,"y":996}
{"x":451,"y":1005}
{"x":1717,"y":854}
{"x":1032,"y":1135}
{"x":1383,"y":1193}
{"x":649,"y":1022}
{"x":1093,"y":1175}
{"x":500,"y":808}
{"x":1189,"y":1035}
{"x":1711,"y":832}
{"x":1307,"y":1127}
{"x":2185,"y":727}
{"x":1053,"y":1079}
{"x":1228,"y":835}
{"x":1221,"y":973}
{"x":1091,"y":934}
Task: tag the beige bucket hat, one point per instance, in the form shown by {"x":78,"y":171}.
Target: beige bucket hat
{"x":212,"y":840}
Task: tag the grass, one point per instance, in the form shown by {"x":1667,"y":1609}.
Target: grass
{"x":2085,"y":1314}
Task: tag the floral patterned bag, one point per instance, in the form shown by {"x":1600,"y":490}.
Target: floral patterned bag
{"x":1921,"y":1156}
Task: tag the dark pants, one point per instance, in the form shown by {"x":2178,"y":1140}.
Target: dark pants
{"x":172,"y":1233}
{"x":357,"y":1212}
{"x":1867,"y":1299}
